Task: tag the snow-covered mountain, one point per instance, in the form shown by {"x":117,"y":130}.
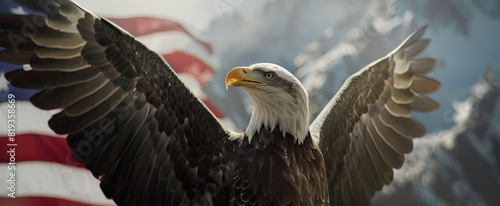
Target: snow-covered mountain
{"x":323,"y":42}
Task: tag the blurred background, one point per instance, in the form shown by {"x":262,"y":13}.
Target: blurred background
{"x":323,"y":42}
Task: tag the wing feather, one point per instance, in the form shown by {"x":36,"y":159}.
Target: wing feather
{"x":391,"y":156}
{"x":371,"y":179}
{"x":68,"y":65}
{"x":422,"y":66}
{"x":61,"y":97}
{"x":397,"y":142}
{"x":58,"y":39}
{"x":46,"y":53}
{"x":366,"y":129}
{"x":425,"y":85}
{"x":130,"y":119}
{"x":46,"y":80}
{"x":424,"y":104}
{"x":19,"y":57}
{"x":398,"y":110}
{"x":417,"y":47}
{"x":375,"y":152}
{"x":407,"y":127}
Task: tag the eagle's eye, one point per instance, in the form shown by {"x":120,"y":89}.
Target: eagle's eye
{"x":269,"y":75}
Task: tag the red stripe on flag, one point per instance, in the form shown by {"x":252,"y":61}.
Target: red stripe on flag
{"x":41,"y":201}
{"x":139,"y":26}
{"x":212,"y":108}
{"x":182,"y":62}
{"x":35,"y":147}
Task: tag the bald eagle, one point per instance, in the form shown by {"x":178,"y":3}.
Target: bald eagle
{"x":150,"y":141}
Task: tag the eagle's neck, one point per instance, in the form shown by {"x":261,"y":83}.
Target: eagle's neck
{"x":288,"y":111}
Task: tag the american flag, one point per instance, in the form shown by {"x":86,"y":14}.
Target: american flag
{"x":46,"y":173}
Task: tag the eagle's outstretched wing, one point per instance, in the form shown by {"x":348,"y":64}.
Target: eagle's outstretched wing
{"x":130,"y":119}
{"x":366,"y":129}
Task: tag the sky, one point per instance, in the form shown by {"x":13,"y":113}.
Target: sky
{"x":194,"y":14}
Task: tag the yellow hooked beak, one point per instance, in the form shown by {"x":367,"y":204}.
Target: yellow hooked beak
{"x":239,"y":77}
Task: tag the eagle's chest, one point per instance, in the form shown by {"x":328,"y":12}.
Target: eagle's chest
{"x":273,"y":170}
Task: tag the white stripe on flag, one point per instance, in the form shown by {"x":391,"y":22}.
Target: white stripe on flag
{"x":29,"y":119}
{"x":54,"y":180}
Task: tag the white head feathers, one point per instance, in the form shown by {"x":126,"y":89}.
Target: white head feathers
{"x":283,"y":102}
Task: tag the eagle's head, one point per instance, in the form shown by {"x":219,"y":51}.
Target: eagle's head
{"x":280,"y":100}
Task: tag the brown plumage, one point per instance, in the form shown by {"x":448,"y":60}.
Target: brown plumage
{"x":272,"y":170}
{"x":138,"y":128}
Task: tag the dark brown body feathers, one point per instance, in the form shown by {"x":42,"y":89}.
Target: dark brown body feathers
{"x":275,"y":170}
